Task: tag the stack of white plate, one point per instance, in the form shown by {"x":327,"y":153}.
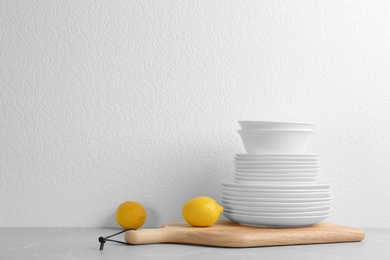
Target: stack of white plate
{"x":283,"y":167}
{"x":276,"y":189}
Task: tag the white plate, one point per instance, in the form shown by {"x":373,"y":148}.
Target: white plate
{"x":275,"y":163}
{"x":295,"y":178}
{"x":311,"y":186}
{"x":276,"y":175}
{"x":277,"y":204}
{"x":275,"y":178}
{"x":252,"y":191}
{"x":280,"y":159}
{"x":264,"y":180}
{"x":278,"y":171}
{"x":293,"y":155}
{"x":275,"y":221}
{"x":237,"y":200}
{"x":275,"y":181}
{"x":276,"y":160}
{"x":277,"y":195}
{"x":276,"y":209}
{"x":279,"y":214}
{"x":277,"y":167}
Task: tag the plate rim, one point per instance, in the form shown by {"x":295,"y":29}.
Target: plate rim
{"x":293,"y":186}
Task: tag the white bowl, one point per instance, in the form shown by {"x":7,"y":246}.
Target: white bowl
{"x":276,"y":141}
{"x":275,"y":221}
{"x":275,"y":125}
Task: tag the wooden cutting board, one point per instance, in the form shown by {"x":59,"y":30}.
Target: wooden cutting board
{"x":229,"y":234}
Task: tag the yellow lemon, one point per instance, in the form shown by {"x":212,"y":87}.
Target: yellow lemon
{"x":130,"y":214}
{"x":201,"y":212}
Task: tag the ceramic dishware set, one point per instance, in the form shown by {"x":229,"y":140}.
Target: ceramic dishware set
{"x":276,"y":182}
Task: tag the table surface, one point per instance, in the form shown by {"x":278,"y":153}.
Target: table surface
{"x":82,"y":243}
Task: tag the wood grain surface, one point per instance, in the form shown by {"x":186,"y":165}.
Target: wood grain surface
{"x":229,"y":234}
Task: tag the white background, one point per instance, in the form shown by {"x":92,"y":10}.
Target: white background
{"x":107,"y":101}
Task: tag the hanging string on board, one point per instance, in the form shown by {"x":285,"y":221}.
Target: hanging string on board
{"x":103,"y":240}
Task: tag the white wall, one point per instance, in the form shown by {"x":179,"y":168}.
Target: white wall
{"x":107,"y":101}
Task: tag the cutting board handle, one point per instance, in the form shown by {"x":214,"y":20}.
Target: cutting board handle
{"x":153,"y":235}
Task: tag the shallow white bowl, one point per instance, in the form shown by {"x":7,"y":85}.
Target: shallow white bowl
{"x":276,"y":125}
{"x":279,"y":214}
{"x":276,"y":141}
{"x":275,"y":221}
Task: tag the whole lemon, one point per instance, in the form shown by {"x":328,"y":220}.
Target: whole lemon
{"x":130,"y":214}
{"x":201,"y":211}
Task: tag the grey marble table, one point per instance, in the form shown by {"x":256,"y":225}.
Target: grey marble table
{"x":76,"y":243}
